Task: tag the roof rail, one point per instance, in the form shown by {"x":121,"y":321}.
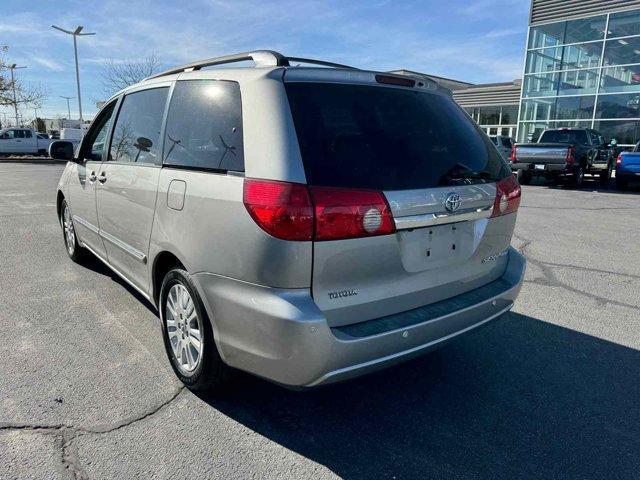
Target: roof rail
{"x":262,"y":58}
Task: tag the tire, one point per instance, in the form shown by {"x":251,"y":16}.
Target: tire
{"x":73,"y":248}
{"x":578,"y":178}
{"x":621,"y":184}
{"x":185,"y":325}
{"x":524,"y":177}
{"x":605,"y":175}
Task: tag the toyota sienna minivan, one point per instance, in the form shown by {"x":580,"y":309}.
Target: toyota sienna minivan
{"x":306,"y":223}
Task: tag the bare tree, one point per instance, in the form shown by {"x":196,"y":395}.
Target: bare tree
{"x":27,"y":95}
{"x":117,"y":75}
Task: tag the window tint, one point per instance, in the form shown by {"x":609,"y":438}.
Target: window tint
{"x":19,"y":133}
{"x":96,"y":138}
{"x":388,"y":138}
{"x":204,"y":126}
{"x":27,"y":134}
{"x":564,"y":136}
{"x":9,"y":134}
{"x":136,"y":135}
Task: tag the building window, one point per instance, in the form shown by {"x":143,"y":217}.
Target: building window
{"x":509,"y":115}
{"x":624,"y":24}
{"x":489,"y":116}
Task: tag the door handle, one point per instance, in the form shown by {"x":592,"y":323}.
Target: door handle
{"x":102,"y":178}
{"x":92,"y":177}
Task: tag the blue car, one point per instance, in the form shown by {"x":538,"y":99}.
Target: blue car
{"x":628,"y":167}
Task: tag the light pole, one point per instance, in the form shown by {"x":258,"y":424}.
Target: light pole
{"x":74,"y":34}
{"x":13,"y":67}
{"x":69,"y":108}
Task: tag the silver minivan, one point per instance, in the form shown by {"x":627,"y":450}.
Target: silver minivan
{"x":304,"y":223}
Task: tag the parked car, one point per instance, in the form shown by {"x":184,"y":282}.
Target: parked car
{"x":288,"y":222}
{"x":503,"y":144}
{"x":23,"y":141}
{"x":564,"y":154}
{"x":628,"y":167}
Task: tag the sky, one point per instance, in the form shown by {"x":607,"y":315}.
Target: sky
{"x":478,"y":41}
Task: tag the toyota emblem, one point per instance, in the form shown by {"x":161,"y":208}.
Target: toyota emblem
{"x":453,"y":202}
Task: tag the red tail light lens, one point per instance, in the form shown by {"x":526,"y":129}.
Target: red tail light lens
{"x":618,"y":161}
{"x":507,"y":196}
{"x":347,"y":213}
{"x":292,"y":211}
{"x":281,"y":209}
{"x":570,"y":155}
{"x":513,"y":157}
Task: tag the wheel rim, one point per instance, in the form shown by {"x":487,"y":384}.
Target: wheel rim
{"x":580,"y":177}
{"x":69,"y":232}
{"x":184,"y":328}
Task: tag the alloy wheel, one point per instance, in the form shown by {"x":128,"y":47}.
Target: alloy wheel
{"x":69,"y":232}
{"x":184,"y":328}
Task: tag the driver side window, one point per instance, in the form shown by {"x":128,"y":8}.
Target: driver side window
{"x":96,"y":138}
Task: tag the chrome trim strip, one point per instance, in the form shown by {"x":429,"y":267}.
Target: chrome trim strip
{"x":136,"y":288}
{"x":432,"y":219}
{"x":86,"y":224}
{"x":141,"y":257}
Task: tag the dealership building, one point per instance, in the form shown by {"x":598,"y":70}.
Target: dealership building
{"x":581,"y":69}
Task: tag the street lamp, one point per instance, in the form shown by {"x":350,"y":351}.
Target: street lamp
{"x":13,"y":67}
{"x":69,"y":108}
{"x":76,"y":33}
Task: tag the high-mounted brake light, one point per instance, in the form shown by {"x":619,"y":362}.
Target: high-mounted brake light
{"x":571,"y":155}
{"x":619,"y":161}
{"x":508,"y":193}
{"x":399,"y":81}
{"x":291,"y":211}
{"x":513,"y":157}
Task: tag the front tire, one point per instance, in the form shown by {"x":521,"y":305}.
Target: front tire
{"x":73,"y":248}
{"x":578,"y":178}
{"x":605,"y":175}
{"x":187,"y":334}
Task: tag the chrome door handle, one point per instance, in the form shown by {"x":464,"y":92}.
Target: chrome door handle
{"x":92,"y":177}
{"x":102,"y":178}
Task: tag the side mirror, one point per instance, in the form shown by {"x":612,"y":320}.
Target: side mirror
{"x":61,"y":150}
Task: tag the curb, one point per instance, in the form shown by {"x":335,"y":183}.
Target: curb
{"x":30,"y":160}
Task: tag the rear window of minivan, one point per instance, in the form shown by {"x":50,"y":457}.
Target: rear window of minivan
{"x":387,"y":138}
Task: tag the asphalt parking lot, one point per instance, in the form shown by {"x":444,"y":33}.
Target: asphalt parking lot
{"x":549,"y":391}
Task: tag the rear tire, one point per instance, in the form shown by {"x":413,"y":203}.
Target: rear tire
{"x":621,"y":184}
{"x":524,"y":177}
{"x":578,"y":178}
{"x":73,"y":248}
{"x":605,"y":175}
{"x":188,"y":336}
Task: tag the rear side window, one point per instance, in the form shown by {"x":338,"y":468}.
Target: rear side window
{"x":388,"y":138}
{"x":564,"y":136}
{"x":136,"y":134}
{"x":204,"y":126}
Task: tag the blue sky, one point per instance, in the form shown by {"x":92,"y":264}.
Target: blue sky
{"x":473,"y":40}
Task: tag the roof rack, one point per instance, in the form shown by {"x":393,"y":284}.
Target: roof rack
{"x":261,"y":58}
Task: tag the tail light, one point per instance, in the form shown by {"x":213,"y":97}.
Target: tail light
{"x":513,"y":158}
{"x":570,"y":155}
{"x":508,"y":193}
{"x":345,"y":213}
{"x":619,"y":161}
{"x":291,"y":211}
{"x":281,"y":209}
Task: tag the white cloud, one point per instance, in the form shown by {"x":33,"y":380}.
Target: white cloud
{"x":48,"y":63}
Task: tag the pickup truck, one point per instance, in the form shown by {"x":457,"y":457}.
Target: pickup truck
{"x":566,"y":154}
{"x":628,"y":167}
{"x":23,"y":141}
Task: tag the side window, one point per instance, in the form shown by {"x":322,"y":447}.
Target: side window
{"x":506,"y":142}
{"x":136,"y":134}
{"x":96,"y":137}
{"x":593,"y":136}
{"x":27,"y":134}
{"x":9,"y":135}
{"x":204,"y":126}
{"x":18,"y":133}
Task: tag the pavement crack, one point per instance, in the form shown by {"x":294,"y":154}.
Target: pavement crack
{"x":66,"y":434}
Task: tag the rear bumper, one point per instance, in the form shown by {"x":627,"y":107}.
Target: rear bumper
{"x":549,"y":168}
{"x":282,"y":335}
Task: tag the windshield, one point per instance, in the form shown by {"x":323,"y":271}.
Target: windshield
{"x":564,"y":136}
{"x":388,"y":138}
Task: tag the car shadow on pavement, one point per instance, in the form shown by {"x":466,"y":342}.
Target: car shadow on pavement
{"x":521,"y":398}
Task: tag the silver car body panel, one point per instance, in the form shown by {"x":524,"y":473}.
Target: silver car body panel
{"x":281,"y":309}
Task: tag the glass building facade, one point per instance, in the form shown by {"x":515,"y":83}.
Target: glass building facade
{"x":495,"y":119}
{"x":583,"y":73}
